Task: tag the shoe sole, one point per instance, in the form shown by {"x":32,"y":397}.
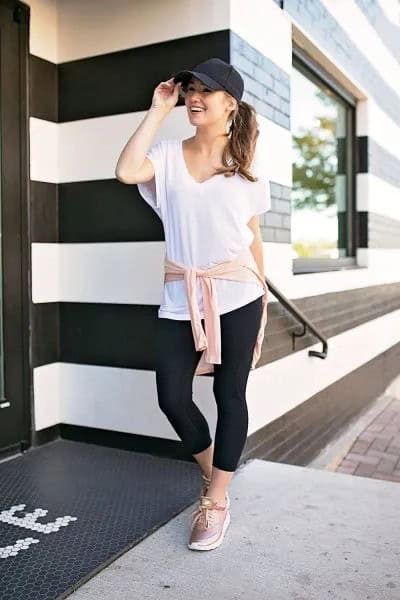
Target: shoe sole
{"x":217,"y":542}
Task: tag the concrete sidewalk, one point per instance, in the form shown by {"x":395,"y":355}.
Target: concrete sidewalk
{"x":296,"y":533}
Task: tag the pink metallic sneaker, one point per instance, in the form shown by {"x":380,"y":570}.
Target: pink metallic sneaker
{"x":206,"y":485}
{"x":209,"y":525}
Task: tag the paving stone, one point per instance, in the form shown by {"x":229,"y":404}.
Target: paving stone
{"x":360,"y":446}
{"x":393,"y":429}
{"x":380,"y":444}
{"x":367,"y":436}
{"x":349,"y":463}
{"x":376,"y":451}
{"x":365,"y":470}
{"x":378,"y":454}
{"x":385,"y":466}
{"x":372,"y":460}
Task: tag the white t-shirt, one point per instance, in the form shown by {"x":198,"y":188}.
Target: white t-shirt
{"x":204,"y":223}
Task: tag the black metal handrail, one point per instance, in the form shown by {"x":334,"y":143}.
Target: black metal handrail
{"x":296,"y":312}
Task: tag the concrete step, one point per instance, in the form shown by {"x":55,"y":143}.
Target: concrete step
{"x":296,"y":533}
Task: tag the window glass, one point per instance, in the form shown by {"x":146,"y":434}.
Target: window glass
{"x":320,"y":144}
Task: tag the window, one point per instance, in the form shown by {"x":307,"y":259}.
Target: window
{"x":322,"y":199}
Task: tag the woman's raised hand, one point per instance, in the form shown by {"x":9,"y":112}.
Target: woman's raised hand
{"x":166,"y":95}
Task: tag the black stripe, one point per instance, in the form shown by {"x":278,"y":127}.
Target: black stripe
{"x":44,"y":212}
{"x":106,"y":211}
{"x":119,"y":82}
{"x":362,"y":229}
{"x":122,"y":335}
{"x":362,"y":154}
{"x":373,"y":158}
{"x":109,"y":211}
{"x":113,"y":335}
{"x":92,"y":211}
{"x":119,"y":335}
{"x":43,"y":89}
{"x":378,"y":231}
{"x":45,"y":333}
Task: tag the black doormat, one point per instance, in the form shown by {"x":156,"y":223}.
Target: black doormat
{"x":68,"y":509}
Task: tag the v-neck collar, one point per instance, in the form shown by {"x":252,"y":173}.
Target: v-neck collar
{"x":180,"y":144}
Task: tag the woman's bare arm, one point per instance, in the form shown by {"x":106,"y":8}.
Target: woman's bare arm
{"x":132,"y":165}
{"x":133,"y":155}
{"x":257,"y":246}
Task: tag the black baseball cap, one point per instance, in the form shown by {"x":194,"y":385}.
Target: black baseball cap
{"x":217,"y":75}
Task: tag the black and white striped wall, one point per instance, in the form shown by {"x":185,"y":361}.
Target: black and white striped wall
{"x":98,"y":248}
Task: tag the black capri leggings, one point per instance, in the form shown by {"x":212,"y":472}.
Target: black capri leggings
{"x":176,"y":362}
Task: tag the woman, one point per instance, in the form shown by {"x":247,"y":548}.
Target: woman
{"x":208,"y":191}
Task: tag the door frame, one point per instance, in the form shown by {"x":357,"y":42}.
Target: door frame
{"x":20,"y":16}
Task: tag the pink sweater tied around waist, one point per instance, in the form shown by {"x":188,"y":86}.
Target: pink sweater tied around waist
{"x":241,"y":268}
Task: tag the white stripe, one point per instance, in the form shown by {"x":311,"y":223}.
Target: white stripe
{"x":44,"y":144}
{"x":77,"y":29}
{"x":119,"y":272}
{"x":383,"y":268}
{"x":88,"y":149}
{"x":269,"y":32}
{"x":47,"y":382}
{"x":107,"y":272}
{"x":383,"y":260}
{"x":45,"y":260}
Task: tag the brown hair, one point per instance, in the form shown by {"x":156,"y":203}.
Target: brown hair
{"x":242,"y":137}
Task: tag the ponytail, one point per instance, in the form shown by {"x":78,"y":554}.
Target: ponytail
{"x":242,"y":137}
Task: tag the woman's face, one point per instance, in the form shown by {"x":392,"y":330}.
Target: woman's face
{"x":215,"y":105}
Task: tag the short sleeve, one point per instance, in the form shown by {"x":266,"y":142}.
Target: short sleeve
{"x":260,"y":194}
{"x":154,"y":191}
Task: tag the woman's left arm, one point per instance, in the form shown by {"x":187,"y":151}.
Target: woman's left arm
{"x":257,"y":244}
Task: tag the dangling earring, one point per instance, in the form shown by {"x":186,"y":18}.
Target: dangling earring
{"x":235,"y":118}
{"x":232,"y":123}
